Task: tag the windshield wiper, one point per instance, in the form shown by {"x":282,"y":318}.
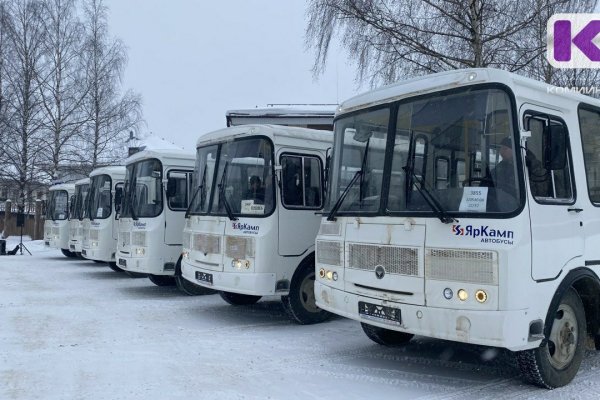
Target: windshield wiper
{"x":360,"y":173}
{"x":433,"y":202}
{"x":222,"y":193}
{"x":340,"y":200}
{"x":202,"y":197}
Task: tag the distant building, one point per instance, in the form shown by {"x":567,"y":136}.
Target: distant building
{"x":317,"y":116}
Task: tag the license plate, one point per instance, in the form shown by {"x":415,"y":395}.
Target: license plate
{"x":204,"y":277}
{"x":122,"y":263}
{"x":374,"y":312}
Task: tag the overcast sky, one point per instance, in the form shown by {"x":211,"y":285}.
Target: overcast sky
{"x":194,"y":60}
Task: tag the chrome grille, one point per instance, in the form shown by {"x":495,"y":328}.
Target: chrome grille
{"x":207,"y":244}
{"x":334,"y":229}
{"x":472,"y":266}
{"x":395,"y":260}
{"x":329,"y":253}
{"x":239,"y":247}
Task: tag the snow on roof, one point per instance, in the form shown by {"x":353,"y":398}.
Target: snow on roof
{"x":312,"y":135}
{"x":161,"y":154}
{"x":83,"y":181}
{"x":112,"y":171}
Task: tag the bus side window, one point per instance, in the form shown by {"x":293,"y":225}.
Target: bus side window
{"x":547,"y":186}
{"x":178,"y":199}
{"x":301,"y":182}
{"x":589,"y":126}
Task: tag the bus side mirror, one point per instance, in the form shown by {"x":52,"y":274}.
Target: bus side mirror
{"x":171,"y":187}
{"x":555,"y":147}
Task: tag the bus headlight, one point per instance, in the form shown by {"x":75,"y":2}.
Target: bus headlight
{"x":240,"y":264}
{"x":140,"y":251}
{"x":481,"y":296}
{"x":462,"y":295}
{"x":93,"y":243}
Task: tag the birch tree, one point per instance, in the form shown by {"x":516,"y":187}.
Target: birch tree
{"x":391,"y":39}
{"x":110,"y":114}
{"x":24,"y":119}
{"x":62,"y":87}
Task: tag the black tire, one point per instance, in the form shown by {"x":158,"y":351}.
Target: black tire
{"x":556,"y":362}
{"x":78,"y":254}
{"x":68,"y":253}
{"x":300,"y":302}
{"x":114,"y":267}
{"x":236,"y":299}
{"x":385,"y":337}
{"x":187,"y":287}
{"x":162,"y":280}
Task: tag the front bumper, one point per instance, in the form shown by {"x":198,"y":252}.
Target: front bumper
{"x":507,"y":329}
{"x":142,"y":265}
{"x":250,"y":283}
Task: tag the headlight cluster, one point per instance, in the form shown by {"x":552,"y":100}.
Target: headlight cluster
{"x":481,"y":295}
{"x":329,"y":275}
{"x":140,"y":251}
{"x":240,"y":264}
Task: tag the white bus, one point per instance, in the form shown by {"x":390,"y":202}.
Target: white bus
{"x":251,"y":222}
{"x":155,"y":199}
{"x":100,"y":228}
{"x":477,"y":224}
{"x":56,"y":224}
{"x":76,"y":210}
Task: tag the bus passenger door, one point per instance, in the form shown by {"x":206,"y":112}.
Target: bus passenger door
{"x":301,"y":195}
{"x":177,"y":198}
{"x":556,"y":214}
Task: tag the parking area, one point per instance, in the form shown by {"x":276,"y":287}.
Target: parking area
{"x":74,"y":329}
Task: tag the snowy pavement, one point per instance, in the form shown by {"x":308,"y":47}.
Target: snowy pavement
{"x":73,"y":329}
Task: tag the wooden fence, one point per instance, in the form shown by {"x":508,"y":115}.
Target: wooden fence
{"x":34,"y":220}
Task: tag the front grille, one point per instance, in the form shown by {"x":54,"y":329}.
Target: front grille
{"x":395,"y":260}
{"x":334,"y":229}
{"x":94,"y":234}
{"x":124,"y":239}
{"x":329,"y":253}
{"x":472,"y":266}
{"x":207,"y":244}
{"x":138,"y":239}
{"x":239,"y":247}
{"x":187,"y":239}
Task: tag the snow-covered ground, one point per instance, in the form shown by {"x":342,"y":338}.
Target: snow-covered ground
{"x":73,"y":329}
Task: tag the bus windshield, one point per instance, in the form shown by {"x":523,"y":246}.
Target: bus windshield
{"x":81,"y":194}
{"x":143,"y":195}
{"x":100,"y":197}
{"x":448,"y":153}
{"x":244,"y":179}
{"x":57,"y":208}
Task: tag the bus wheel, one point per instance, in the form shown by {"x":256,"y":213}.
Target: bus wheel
{"x":385,"y":337}
{"x":237,"y":299}
{"x":162,"y":280}
{"x":300,"y":303}
{"x":186,"y":286}
{"x":113,"y":266}
{"x":68,"y":253}
{"x":556,"y":362}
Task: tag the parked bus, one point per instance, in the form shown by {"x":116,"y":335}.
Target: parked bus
{"x":100,"y":228}
{"x":251,"y":223}
{"x":477,"y":224}
{"x":78,"y":201}
{"x":56,"y":225}
{"x":155,"y":199}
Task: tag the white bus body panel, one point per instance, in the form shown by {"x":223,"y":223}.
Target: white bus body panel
{"x":100,"y":235}
{"x":56,"y":233}
{"x":545,"y":244}
{"x":160,"y":249}
{"x":281,"y":241}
